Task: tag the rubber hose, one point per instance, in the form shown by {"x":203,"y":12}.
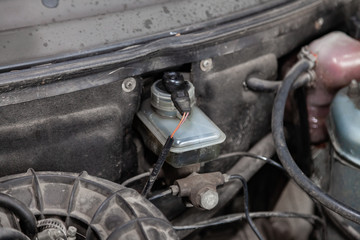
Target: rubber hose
{"x":285,"y":157}
{"x":262,"y":85}
{"x":12,"y":234}
{"x":27,"y":219}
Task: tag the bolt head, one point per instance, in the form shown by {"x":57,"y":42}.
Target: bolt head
{"x":129,"y":84}
{"x":209,"y":199}
{"x":206,"y":65}
{"x":71,"y":232}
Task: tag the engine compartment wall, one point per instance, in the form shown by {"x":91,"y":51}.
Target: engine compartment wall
{"x":88,"y":129}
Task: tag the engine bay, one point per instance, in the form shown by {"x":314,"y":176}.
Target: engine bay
{"x":179,"y":119}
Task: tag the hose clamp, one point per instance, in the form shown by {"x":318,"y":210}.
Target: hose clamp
{"x":306,"y":54}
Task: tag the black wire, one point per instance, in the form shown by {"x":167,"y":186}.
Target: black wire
{"x":241,"y":216}
{"x":285,"y":157}
{"x":271,"y":162}
{"x":228,"y":155}
{"x":157,"y":167}
{"x":246,"y":204}
{"x":27,"y":219}
{"x":135,"y":178}
{"x":252,"y":155}
{"x":160,"y":195}
{"x":321,"y":212}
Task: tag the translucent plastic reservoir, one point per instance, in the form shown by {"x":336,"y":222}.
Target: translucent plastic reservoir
{"x":197,"y":140}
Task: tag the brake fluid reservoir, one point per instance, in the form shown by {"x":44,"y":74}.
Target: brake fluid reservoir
{"x":197,"y":140}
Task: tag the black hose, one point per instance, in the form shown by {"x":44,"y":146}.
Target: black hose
{"x":26,"y":217}
{"x":285,"y":157}
{"x":12,"y":234}
{"x":262,"y":85}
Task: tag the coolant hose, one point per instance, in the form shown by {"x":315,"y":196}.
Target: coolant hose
{"x":27,"y":219}
{"x":12,"y":234}
{"x":285,"y":157}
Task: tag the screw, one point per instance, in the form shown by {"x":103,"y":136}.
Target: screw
{"x":206,"y":65}
{"x":71,"y":232}
{"x":209,"y":199}
{"x":353,"y":90}
{"x":319,"y":23}
{"x":129,"y":84}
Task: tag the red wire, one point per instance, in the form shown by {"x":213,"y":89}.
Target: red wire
{"x":187,"y":114}
{"x":184,"y":116}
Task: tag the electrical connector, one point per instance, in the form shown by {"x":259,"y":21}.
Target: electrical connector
{"x":175,"y":84}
